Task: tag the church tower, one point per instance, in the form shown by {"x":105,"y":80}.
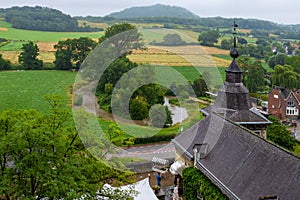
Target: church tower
{"x":233,"y":95}
{"x":233,"y":100}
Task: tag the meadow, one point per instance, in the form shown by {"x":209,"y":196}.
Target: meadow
{"x":26,"y":89}
{"x":6,"y":31}
{"x":157,"y":34}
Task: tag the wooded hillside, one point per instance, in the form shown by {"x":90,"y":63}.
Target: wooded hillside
{"x":42,"y":19}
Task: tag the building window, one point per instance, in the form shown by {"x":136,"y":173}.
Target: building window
{"x":275,"y":96}
{"x":290,"y":103}
{"x":292,"y":111}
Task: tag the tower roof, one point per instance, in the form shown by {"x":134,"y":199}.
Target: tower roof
{"x":233,"y":67}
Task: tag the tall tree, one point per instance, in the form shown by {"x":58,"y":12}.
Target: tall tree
{"x":72,"y":51}
{"x":225,"y":44}
{"x":279,"y":134}
{"x":254,"y":73}
{"x":285,"y":76}
{"x":28,"y":57}
{"x":208,"y":38}
{"x":200,"y":86}
{"x":125,"y":37}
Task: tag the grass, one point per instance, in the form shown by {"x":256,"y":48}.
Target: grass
{"x":222,"y":56}
{"x":266,"y":66}
{"x":297,"y":150}
{"x":146,"y":131}
{"x":25,"y":89}
{"x":137,"y":131}
{"x":12,"y":46}
{"x":157,"y":35}
{"x":27,"y":35}
{"x":192,"y":73}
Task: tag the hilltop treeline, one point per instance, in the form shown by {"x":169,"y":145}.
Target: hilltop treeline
{"x":158,"y":10}
{"x":205,"y":24}
{"x":42,"y":19}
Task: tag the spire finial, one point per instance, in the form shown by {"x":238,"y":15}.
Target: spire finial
{"x":234,"y":52}
{"x":234,"y":33}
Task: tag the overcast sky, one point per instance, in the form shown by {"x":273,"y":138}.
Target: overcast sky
{"x":286,"y":12}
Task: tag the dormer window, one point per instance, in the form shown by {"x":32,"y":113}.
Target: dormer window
{"x":290,"y":104}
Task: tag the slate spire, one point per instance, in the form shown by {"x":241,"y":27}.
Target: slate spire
{"x":233,"y":95}
{"x":233,"y":72}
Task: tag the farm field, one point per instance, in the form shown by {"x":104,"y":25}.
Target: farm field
{"x":6,"y":31}
{"x":157,"y":34}
{"x":189,"y":55}
{"x":25,"y":89}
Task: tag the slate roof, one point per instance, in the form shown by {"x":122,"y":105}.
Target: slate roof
{"x":233,"y":67}
{"x":284,"y":92}
{"x":251,"y":116}
{"x":248,"y":165}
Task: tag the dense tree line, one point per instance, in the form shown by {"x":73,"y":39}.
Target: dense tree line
{"x":43,"y":19}
{"x":286,"y":70}
{"x":285,"y":76}
{"x":157,"y":10}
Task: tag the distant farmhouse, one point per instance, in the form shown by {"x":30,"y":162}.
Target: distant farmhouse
{"x":229,"y":147}
{"x":284,"y":103}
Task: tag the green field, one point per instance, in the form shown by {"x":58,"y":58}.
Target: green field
{"x":192,"y":73}
{"x":226,"y":57}
{"x":25,"y":89}
{"x":157,"y":35}
{"x":41,"y":36}
{"x":12,"y":46}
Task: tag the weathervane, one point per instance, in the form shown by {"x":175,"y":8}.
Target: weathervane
{"x":234,"y":52}
{"x":234,"y":33}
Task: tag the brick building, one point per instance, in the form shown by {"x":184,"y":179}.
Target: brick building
{"x":284,"y":103}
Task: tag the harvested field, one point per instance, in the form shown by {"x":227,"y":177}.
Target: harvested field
{"x":3,"y":29}
{"x":46,"y":46}
{"x":190,"y":55}
{"x":244,"y":30}
{"x":12,"y":56}
{"x":214,"y":50}
{"x":47,"y":57}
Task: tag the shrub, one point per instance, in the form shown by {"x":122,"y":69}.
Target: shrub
{"x":196,"y":182}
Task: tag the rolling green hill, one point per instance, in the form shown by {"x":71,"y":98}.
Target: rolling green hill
{"x":157,"y":10}
{"x":6,"y":31}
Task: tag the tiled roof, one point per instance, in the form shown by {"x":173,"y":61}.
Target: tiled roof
{"x":245,"y":163}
